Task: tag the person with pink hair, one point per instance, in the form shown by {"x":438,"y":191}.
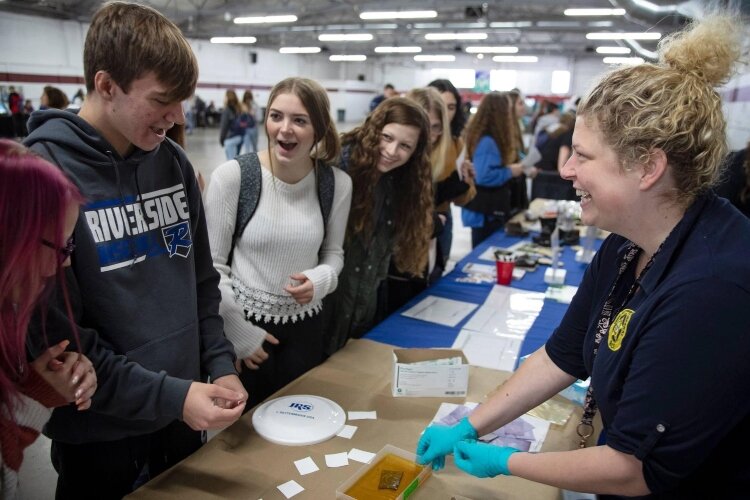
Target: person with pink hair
{"x":38,"y":210}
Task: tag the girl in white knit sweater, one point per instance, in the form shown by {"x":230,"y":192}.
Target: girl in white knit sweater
{"x":285,"y":261}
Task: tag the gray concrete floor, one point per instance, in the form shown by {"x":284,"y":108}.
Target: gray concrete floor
{"x":37,"y":477}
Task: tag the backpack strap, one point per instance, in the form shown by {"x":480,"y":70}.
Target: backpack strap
{"x":250,"y":188}
{"x":326,"y":187}
{"x":250,"y":185}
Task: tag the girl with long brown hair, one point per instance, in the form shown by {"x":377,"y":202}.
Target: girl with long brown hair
{"x":388,"y":159}
{"x":492,"y":144}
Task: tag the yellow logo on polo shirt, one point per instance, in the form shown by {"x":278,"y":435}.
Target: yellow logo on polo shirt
{"x":618,"y":329}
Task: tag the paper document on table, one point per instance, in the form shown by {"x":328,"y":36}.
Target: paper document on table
{"x":440,"y":310}
{"x":499,"y":352}
{"x":507,"y":311}
{"x":563,"y":294}
{"x":525,"y":433}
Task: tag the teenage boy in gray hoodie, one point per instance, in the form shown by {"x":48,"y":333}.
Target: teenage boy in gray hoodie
{"x":143,"y":288}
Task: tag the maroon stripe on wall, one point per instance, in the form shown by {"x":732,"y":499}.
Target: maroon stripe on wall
{"x":27,"y":78}
{"x":78,"y":80}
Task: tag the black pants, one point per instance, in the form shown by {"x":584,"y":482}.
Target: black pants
{"x":479,"y":234}
{"x":300,"y":349}
{"x":111,"y":469}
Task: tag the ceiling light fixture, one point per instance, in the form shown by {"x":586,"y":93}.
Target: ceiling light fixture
{"x":401,"y":50}
{"x":403,"y":14}
{"x":515,"y":24}
{"x":348,"y":58}
{"x":299,"y":50}
{"x":456,"y":36}
{"x":265,"y":19}
{"x":612,"y":50}
{"x":594,"y":12}
{"x":233,"y":39}
{"x":623,"y":36}
{"x":518,"y":59}
{"x":435,"y":58}
{"x":491,"y":50}
{"x":623,"y":60}
{"x":344,"y":37}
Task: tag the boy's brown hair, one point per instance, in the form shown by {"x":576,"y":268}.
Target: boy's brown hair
{"x":129,"y":40}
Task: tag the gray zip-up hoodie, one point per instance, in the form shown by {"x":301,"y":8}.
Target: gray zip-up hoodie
{"x":142,"y":284}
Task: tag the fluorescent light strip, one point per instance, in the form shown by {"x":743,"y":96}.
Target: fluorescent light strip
{"x":623,"y":36}
{"x":558,"y":24}
{"x":456,"y":36}
{"x":612,"y":50}
{"x":623,"y":60}
{"x":594,"y":12}
{"x":352,"y":37}
{"x":348,"y":58}
{"x":518,"y":59}
{"x":516,"y":24}
{"x":299,"y":50}
{"x":401,"y":50}
{"x":404,"y":14}
{"x":233,"y":39}
{"x":265,"y":19}
{"x":435,"y":58}
{"x":491,"y":50}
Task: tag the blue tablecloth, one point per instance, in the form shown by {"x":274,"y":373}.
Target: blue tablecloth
{"x":408,"y":332}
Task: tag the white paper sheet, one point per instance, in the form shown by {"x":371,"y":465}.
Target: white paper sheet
{"x":290,"y":488}
{"x":439,"y":310}
{"x":507,"y":311}
{"x":363,"y":415}
{"x":306,"y":466}
{"x":337,"y":459}
{"x":563,"y":294}
{"x":360,"y":456}
{"x":499,"y":352}
{"x":348,"y":431}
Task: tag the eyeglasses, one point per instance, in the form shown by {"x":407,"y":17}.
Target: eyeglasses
{"x":64,"y":252}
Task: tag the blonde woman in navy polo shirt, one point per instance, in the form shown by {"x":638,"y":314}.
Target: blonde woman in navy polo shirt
{"x":660,"y":320}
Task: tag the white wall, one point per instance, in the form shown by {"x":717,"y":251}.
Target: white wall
{"x":41,"y":46}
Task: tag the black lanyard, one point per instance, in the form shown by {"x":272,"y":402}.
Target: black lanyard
{"x":586,"y":428}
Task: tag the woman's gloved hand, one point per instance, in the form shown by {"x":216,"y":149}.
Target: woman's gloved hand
{"x":482,"y":459}
{"x":438,"y":441}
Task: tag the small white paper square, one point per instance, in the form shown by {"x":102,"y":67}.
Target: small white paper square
{"x":337,"y":459}
{"x":348,"y":431}
{"x":290,"y":488}
{"x":361,"y":456}
{"x":306,"y":466}
{"x":363,"y":415}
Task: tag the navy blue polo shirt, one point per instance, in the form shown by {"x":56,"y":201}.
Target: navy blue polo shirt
{"x":672,"y":376}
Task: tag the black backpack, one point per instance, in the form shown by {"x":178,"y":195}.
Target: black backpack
{"x":250,"y":186}
{"x":240,"y":123}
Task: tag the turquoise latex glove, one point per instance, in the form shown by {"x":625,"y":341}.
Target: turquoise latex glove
{"x":437,"y":441}
{"x":482,"y":459}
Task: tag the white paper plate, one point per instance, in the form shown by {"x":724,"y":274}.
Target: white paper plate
{"x":298,"y":420}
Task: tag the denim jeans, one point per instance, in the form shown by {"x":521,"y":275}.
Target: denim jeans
{"x":232,"y":146}
{"x":250,"y":140}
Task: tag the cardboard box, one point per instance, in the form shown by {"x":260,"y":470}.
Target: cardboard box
{"x":406,"y":490}
{"x":420,"y":380}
